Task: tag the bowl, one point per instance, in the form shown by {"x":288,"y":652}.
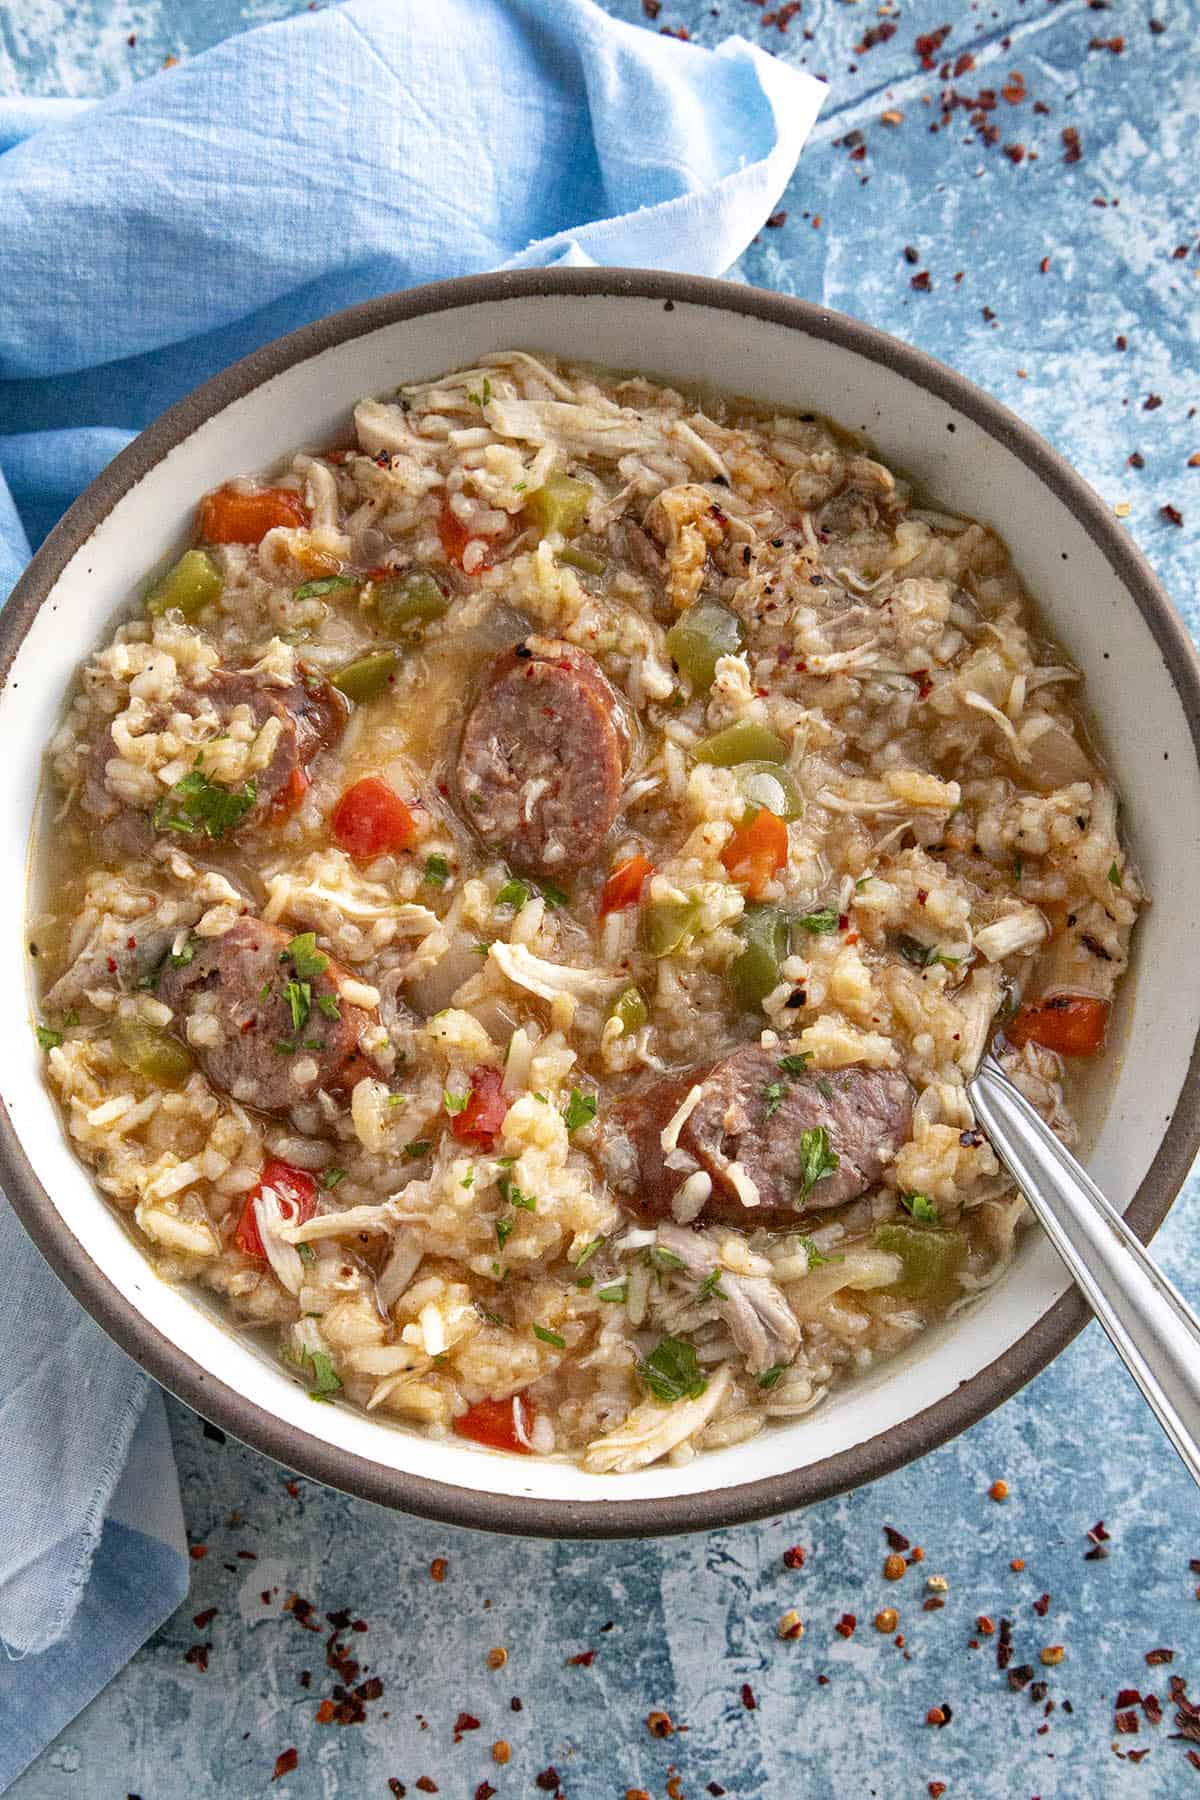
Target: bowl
{"x":1098,"y":598}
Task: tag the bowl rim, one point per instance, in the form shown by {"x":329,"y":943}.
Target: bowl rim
{"x":522,"y":1515}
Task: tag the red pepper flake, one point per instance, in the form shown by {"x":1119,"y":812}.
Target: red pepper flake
{"x":921,"y":282}
{"x":1113,"y":44}
{"x":896,"y":1539}
{"x":794,"y":1557}
{"x":1126,"y":1723}
{"x":1155,"y":1657}
{"x":285,"y":1762}
{"x":1152,"y":402}
{"x":659,"y":1724}
{"x":1136,"y":460}
{"x":652,"y":8}
{"x":1157,"y":27}
{"x":929,"y":43}
{"x":777,"y":219}
{"x":1044,"y":266}
{"x":1014,"y":88}
{"x":203,"y":1620}
{"x":583,"y":1659}
{"x":1152,"y":1708}
{"x":1072,"y":148}
{"x":964,"y":62}
{"x":1126,"y":1698}
{"x":396,"y":1787}
{"x":437,"y":1569}
{"x":198,"y":1656}
{"x":111,"y":964}
{"x":937,"y":1715}
{"x":748,"y":1700}
{"x":1041,"y":1605}
{"x":426,"y":1785}
{"x":198,"y":1552}
{"x":465,"y":1722}
{"x":1017,"y":1564}
{"x":1015,"y":152}
{"x":1020,"y":1677}
{"x":1193,"y":462}
{"x":715,"y":1789}
{"x":485,"y":1790}
{"x":547,"y":1780}
{"x":845,"y":1625}
{"x":325,"y":1713}
{"x":1171,"y":514}
{"x":1194,"y":1758}
{"x":877,"y":34}
{"x":936,"y":1789}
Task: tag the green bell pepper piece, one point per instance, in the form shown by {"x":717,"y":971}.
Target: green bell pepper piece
{"x":558,"y":505}
{"x":363,"y":679}
{"x":150,"y":1051}
{"x":586,"y":561}
{"x":631,"y":1010}
{"x":766,"y":784}
{"x":932,"y":1256}
{"x":665,"y":924}
{"x":192,"y":584}
{"x":699,"y":636}
{"x":741,"y":743}
{"x":413,"y":598}
{"x":757,"y":969}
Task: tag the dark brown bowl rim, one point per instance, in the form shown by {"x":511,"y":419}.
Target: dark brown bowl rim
{"x":516,"y":1514}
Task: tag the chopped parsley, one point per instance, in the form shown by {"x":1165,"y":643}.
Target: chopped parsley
{"x":468,"y":1180}
{"x":307,"y":960}
{"x":772,"y":1098}
{"x":816,"y":1160}
{"x":614,"y":1292}
{"x":820,"y":922}
{"x":771,"y":1377}
{"x":580,"y":1110}
{"x":504,"y":1230}
{"x":921,"y":1207}
{"x":306,"y":1253}
{"x":510,"y":1192}
{"x":311,"y":590}
{"x":815,"y":1259}
{"x":1114,"y":875}
{"x":327,"y":1004}
{"x":552,"y":895}
{"x":491,"y":1317}
{"x":48,"y":1038}
{"x":921,"y":956}
{"x":588,"y":1251}
{"x":585,"y":1281}
{"x":325,"y":1381}
{"x":546,"y":1336}
{"x":455,"y":1103}
{"x":418,"y":1148}
{"x":514,"y":894}
{"x":671,"y":1371}
{"x":298,"y":998}
{"x":796,"y":1063}
{"x":658,"y":1258}
{"x":179,"y":959}
{"x":437,"y":870}
{"x":710,"y":1287}
{"x":861,"y":883}
{"x":196,"y":804}
{"x":331,"y":1177}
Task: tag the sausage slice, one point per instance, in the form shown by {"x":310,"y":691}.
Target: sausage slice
{"x":753,"y":1113}
{"x":242,"y":995}
{"x":543,"y":757}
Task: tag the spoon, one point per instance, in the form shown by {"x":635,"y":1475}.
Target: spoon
{"x":1151,"y":1326}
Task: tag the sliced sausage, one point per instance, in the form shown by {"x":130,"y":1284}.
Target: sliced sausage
{"x":543,"y":757}
{"x":312,"y":716}
{"x":752,"y":1113}
{"x":240,"y":1001}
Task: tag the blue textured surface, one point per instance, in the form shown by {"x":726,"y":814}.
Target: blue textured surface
{"x":693,"y":1620}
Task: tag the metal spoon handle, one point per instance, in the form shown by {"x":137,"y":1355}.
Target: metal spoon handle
{"x":1152,"y":1328}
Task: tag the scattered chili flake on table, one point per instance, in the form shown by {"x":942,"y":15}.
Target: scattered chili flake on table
{"x":465,"y":1722}
{"x":285,"y":1762}
{"x":583,"y":1659}
{"x":1171,"y":514}
{"x":659,"y":1725}
{"x":652,"y":8}
{"x":998,"y":1490}
{"x":1072,"y":148}
{"x":396,"y":1787}
{"x":426,"y":1785}
{"x":937,"y":1715}
{"x":547,"y":1780}
{"x":985,"y":1625}
{"x":793,"y":1558}
{"x":896,"y":1540}
{"x":777,"y":219}
{"x":921,"y":282}
{"x":1152,"y":402}
{"x":1017,"y":1564}
{"x":845,"y":1625}
{"x":936,"y":1790}
{"x":748,"y":1700}
{"x":198,"y":1552}
{"x":437,"y":1568}
{"x":205,"y":1618}
{"x":198,"y":1657}
{"x":1126,"y":1723}
{"x":485,"y":1790}
{"x":1155,"y":1657}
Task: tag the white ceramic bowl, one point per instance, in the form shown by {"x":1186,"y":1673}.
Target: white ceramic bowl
{"x":1097,"y":597}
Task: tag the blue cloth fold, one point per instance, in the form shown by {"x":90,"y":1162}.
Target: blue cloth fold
{"x":148,"y":241}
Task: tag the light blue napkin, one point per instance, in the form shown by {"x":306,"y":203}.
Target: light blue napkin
{"x":146,"y":242}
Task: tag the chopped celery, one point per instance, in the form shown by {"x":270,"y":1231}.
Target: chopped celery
{"x":413,"y":598}
{"x":363,"y":679}
{"x":757,"y":969}
{"x":631,"y":1010}
{"x":150,"y":1051}
{"x":741,"y":743}
{"x":191,"y":585}
{"x":766,"y":784}
{"x":586,"y":561}
{"x":665,"y":924}
{"x":932,"y":1256}
{"x":558,"y":505}
{"x":704,"y":632}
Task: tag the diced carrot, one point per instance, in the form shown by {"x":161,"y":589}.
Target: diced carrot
{"x":291,"y":1184}
{"x":757,"y":850}
{"x":370,"y":819}
{"x":624,"y":886}
{"x":481,"y":1118}
{"x":500,"y":1424}
{"x":291,"y":793}
{"x":1072,"y":1024}
{"x":229,"y":516}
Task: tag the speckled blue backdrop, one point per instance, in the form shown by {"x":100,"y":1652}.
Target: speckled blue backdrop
{"x":1071,"y":289}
